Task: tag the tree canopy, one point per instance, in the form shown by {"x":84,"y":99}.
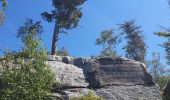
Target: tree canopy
{"x":108,"y":40}
{"x":24,"y":75}
{"x":166,"y":45}
{"x":4,"y":4}
{"x":136,"y":46}
{"x":66,"y":15}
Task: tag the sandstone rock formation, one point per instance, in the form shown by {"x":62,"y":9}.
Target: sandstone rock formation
{"x":112,"y":79}
{"x":68,"y":75}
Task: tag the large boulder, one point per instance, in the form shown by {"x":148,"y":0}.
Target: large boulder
{"x":111,"y":79}
{"x":107,"y":71}
{"x":68,"y":75}
{"x":134,"y":92}
{"x":126,"y":73}
{"x":64,"y":59}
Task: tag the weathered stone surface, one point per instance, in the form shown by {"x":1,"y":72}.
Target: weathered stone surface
{"x":67,"y":60}
{"x":106,"y":61}
{"x":105,"y":71}
{"x":67,"y":74}
{"x":80,"y":62}
{"x":72,"y":93}
{"x":128,"y":73}
{"x":64,"y":59}
{"x":136,"y":92}
{"x":54,"y":58}
{"x":119,"y":79}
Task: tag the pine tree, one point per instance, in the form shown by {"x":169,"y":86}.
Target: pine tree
{"x":108,"y":40}
{"x":136,"y":46}
{"x":66,"y":15}
{"x":166,"y":45}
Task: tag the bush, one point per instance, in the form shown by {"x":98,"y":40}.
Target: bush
{"x":89,"y":96}
{"x":62,"y":52}
{"x":162,"y":81}
{"x":25,"y":75}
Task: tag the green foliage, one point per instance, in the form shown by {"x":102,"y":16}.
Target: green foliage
{"x":4,"y":4}
{"x":29,"y":26}
{"x":66,"y":15}
{"x":136,"y":46}
{"x":161,"y":81}
{"x":89,"y":96}
{"x":108,"y":53}
{"x":163,"y":34}
{"x":59,"y":86}
{"x":2,"y":18}
{"x":166,"y":44}
{"x":62,"y":52}
{"x":158,"y":71}
{"x":108,"y":40}
{"x":25,"y":75}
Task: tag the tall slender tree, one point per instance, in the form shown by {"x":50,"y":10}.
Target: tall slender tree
{"x":166,"y":44}
{"x":158,"y":70}
{"x":108,"y":40}
{"x":2,"y":18}
{"x":4,"y":5}
{"x":66,"y":15}
{"x":136,"y":46}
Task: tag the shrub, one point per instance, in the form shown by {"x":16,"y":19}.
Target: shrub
{"x":25,"y":75}
{"x":62,"y":52}
{"x":89,"y":96}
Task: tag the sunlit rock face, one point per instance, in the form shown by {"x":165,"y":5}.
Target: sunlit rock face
{"x":68,"y":75}
{"x":112,"y":79}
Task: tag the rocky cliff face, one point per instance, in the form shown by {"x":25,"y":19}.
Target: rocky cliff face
{"x":119,"y":79}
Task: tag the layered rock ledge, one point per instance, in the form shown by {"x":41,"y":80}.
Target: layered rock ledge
{"x":112,"y":79}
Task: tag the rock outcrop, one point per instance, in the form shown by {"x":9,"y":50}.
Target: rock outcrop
{"x":112,"y":79}
{"x":134,"y":92}
{"x":68,"y":75}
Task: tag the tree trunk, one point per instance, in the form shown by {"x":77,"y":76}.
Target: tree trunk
{"x":55,"y":40}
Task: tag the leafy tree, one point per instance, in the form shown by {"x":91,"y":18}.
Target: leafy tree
{"x":108,"y":40}
{"x":24,"y":75}
{"x":66,"y":15}
{"x":166,"y":44}
{"x":163,"y":34}
{"x":4,"y":4}
{"x":89,"y":96}
{"x":2,"y":17}
{"x":28,"y":27}
{"x":63,"y":52}
{"x":158,"y":70}
{"x":136,"y":46}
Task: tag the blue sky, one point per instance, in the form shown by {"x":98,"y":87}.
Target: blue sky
{"x":98,"y":15}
